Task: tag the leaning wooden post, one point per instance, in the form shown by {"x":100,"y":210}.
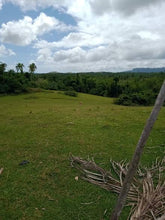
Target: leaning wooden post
{"x":137,"y":154}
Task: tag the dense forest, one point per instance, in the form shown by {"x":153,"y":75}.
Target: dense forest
{"x":126,"y":88}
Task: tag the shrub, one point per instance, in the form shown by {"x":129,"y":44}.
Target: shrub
{"x":71,"y":93}
{"x":124,"y":99}
{"x":141,"y":98}
{"x":42,"y":83}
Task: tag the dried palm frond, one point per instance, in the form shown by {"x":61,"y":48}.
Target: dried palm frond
{"x":146,"y":195}
{"x":151,"y":201}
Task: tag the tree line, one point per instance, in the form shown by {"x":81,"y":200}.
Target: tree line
{"x":126,"y":88}
{"x":15,"y":82}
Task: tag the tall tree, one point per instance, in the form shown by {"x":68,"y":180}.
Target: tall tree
{"x":32,"y":68}
{"x":19,"y":67}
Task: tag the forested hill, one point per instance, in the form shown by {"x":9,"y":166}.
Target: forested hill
{"x":148,"y":70}
{"x":134,"y":70}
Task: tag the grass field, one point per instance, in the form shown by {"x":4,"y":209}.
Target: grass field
{"x":44,"y":128}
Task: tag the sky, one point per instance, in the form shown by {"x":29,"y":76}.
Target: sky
{"x":82,"y":35}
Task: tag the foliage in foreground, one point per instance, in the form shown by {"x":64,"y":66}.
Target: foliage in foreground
{"x":147,"y":191}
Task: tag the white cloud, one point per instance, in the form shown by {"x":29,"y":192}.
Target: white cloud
{"x":75,"y":55}
{"x":44,"y":23}
{"x":26,"y":5}
{"x":133,"y":52}
{"x":79,"y":55}
{"x":82,"y":8}
{"x":25,"y":31}
{"x":111,"y":42}
{"x":110,"y":34}
{"x":5,"y":52}
{"x":148,"y":35}
{"x":125,"y":7}
{"x":128,"y":7}
{"x":100,"y":7}
{"x":18,"y":32}
{"x":44,"y":54}
{"x":127,"y":50}
{"x":73,"y":39}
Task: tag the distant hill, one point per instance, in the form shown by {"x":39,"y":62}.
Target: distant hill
{"x":148,"y":70}
{"x":134,"y":70}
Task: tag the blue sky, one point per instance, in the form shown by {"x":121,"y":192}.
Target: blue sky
{"x":82,"y":35}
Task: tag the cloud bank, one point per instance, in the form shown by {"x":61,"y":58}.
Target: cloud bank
{"x":110,"y":35}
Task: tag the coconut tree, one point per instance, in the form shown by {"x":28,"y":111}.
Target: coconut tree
{"x":19,"y":67}
{"x":32,"y":68}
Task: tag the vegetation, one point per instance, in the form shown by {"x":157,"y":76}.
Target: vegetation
{"x":43,"y":128}
{"x":71,"y":93}
{"x":2,"y":68}
{"x":32,"y":68}
{"x":12,"y":82}
{"x":19,"y":67}
{"x":126,"y":88}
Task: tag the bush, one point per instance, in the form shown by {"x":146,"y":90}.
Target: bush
{"x":124,"y":99}
{"x":71,"y":93}
{"x":142,"y":98}
{"x":42,"y":83}
{"x":13,"y":83}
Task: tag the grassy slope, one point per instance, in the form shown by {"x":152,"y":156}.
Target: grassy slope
{"x":44,"y":128}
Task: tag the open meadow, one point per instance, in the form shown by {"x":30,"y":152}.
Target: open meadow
{"x":44,"y":128}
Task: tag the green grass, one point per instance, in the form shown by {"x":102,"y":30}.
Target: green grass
{"x":44,"y":128}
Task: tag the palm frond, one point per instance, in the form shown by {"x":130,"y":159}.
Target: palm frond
{"x":147,"y":192}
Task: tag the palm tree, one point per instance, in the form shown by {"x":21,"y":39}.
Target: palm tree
{"x":32,"y":68}
{"x":19,"y":67}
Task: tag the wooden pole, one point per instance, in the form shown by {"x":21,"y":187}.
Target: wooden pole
{"x":137,"y":154}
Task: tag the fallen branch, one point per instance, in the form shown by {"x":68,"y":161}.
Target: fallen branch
{"x":146,"y":195}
